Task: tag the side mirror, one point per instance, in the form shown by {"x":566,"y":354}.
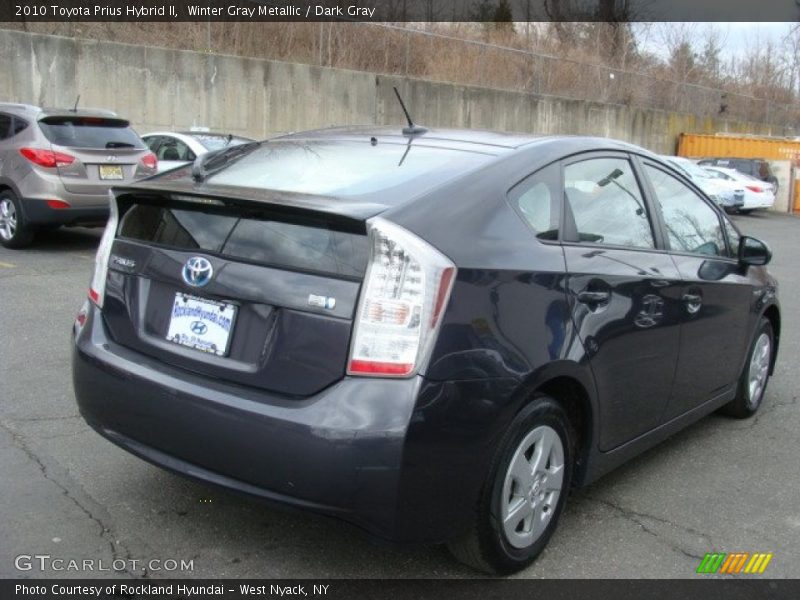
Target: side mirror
{"x":753,"y":251}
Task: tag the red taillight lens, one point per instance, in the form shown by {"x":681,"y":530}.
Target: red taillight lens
{"x":47,"y":158}
{"x":371,"y":367}
{"x":58,"y":204}
{"x":150,"y":161}
{"x":754,"y":188}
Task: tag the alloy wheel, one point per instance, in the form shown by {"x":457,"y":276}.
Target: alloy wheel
{"x":759,"y":369}
{"x":8,"y":219}
{"x":532,"y":486}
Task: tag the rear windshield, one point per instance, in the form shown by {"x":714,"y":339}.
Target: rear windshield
{"x":346,"y":168}
{"x":90,"y":132}
{"x":295,"y":246}
{"x":217,"y":142}
{"x":691,"y":168}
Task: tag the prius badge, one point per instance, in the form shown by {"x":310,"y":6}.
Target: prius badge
{"x":197,"y":271}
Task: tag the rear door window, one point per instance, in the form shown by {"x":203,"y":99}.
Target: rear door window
{"x":152,"y":142}
{"x":606,"y":203}
{"x":90,"y":132}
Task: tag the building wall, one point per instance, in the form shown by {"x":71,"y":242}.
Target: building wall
{"x":162,"y":88}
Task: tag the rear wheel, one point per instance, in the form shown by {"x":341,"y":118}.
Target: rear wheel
{"x":15,"y":231}
{"x":524,"y":492}
{"x":755,"y":376}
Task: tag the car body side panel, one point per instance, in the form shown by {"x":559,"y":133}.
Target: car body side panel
{"x":714,"y":337}
{"x":633,"y":339}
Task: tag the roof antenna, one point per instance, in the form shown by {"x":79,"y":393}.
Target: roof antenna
{"x":75,"y":108}
{"x":411,"y":129}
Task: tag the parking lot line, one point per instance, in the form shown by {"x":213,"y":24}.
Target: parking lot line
{"x":7,"y":265}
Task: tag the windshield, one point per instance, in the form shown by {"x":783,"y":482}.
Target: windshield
{"x":90,"y":132}
{"x":345,"y":168}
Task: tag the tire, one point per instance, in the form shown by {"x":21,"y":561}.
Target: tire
{"x":745,"y":211}
{"x":15,"y":231}
{"x":755,"y":375}
{"x":498,"y":549}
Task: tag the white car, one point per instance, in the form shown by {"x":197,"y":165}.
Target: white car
{"x":178,"y":149}
{"x":757,"y":193}
{"x":728,"y":194}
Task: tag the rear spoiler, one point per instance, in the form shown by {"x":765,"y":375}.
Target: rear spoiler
{"x":70,"y":117}
{"x":351,"y":217}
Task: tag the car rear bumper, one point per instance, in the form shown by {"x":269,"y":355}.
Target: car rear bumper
{"x":351,"y":451}
{"x":338,"y":452}
{"x":752,"y":203}
{"x":39,"y":212}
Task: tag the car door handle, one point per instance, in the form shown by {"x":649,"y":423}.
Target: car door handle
{"x":593,"y":297}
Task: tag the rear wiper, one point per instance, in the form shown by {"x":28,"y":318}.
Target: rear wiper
{"x":210,"y":163}
{"x":119,"y":145}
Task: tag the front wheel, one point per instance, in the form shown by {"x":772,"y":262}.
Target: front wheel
{"x":524,"y":493}
{"x":755,"y":376}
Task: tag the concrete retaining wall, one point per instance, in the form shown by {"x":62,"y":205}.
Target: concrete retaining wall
{"x":162,"y":88}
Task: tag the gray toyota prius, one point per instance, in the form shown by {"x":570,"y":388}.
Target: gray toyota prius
{"x":433,"y":335}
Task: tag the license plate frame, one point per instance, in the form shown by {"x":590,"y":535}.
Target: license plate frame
{"x":111,"y":172}
{"x":216,"y":321}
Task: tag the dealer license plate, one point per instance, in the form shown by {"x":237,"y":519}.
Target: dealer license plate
{"x":201,"y":324}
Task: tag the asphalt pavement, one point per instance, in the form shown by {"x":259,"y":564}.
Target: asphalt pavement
{"x":720,"y":485}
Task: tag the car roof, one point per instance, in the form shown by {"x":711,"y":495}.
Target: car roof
{"x":78,"y":112}
{"x":212,"y":134}
{"x":732,"y":158}
{"x":488,"y":141}
{"x":19,"y":108}
{"x":39,"y":113}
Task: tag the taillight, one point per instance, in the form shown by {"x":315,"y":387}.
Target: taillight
{"x":97,"y":290}
{"x":754,"y":188}
{"x":405,"y":291}
{"x":58,"y":204}
{"x":150,"y":161}
{"x":47,"y":158}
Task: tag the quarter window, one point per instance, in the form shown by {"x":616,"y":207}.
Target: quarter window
{"x":19,"y":125}
{"x":692,"y":225}
{"x":606,"y":203}
{"x":5,"y":126}
{"x":536,"y":199}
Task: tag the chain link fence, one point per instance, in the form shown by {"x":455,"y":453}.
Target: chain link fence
{"x":429,"y":55}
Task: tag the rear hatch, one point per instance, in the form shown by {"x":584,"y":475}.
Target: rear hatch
{"x":106,"y":151}
{"x":255,"y":295}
